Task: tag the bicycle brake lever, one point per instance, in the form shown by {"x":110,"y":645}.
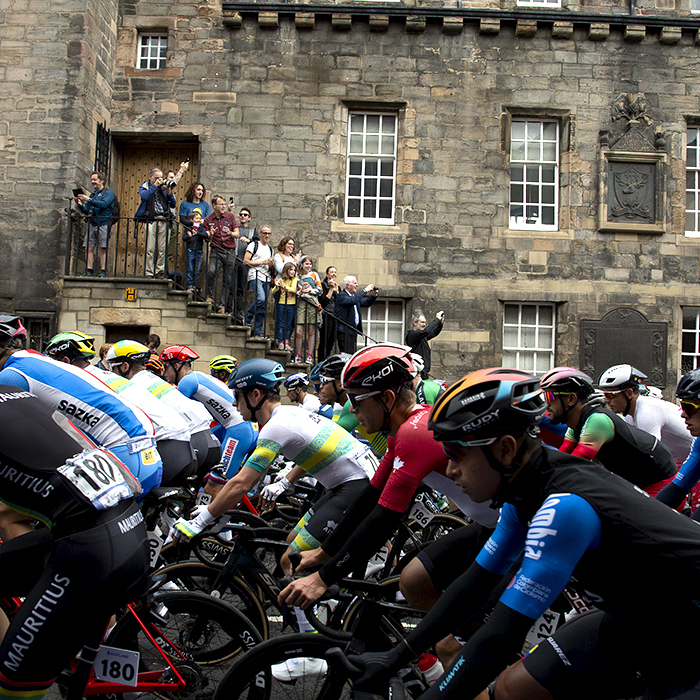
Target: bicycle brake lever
{"x":337,"y":656}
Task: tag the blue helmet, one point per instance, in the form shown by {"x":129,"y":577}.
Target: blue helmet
{"x":259,"y":373}
{"x":315,"y":374}
{"x":299,"y":380}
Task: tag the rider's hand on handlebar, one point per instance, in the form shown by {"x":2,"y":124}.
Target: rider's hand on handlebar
{"x":273,"y":491}
{"x":187,"y":529}
{"x":380,"y":666}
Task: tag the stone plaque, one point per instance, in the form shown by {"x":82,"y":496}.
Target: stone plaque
{"x":624,"y":336}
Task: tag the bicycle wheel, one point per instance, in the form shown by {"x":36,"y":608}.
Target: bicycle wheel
{"x":197,"y":576}
{"x":251,"y":677}
{"x":208,"y":632}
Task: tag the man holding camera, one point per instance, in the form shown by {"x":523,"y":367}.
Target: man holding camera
{"x":347,"y":312}
{"x":417,"y":338}
{"x":223,"y":235}
{"x":156,"y":201}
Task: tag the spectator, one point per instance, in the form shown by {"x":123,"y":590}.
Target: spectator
{"x":98,"y":207}
{"x":194,"y":237}
{"x":417,"y":339}
{"x":194,"y":198}
{"x":286,"y":305}
{"x":308,"y":309}
{"x":101,"y":363}
{"x":328,"y":329}
{"x":258,"y":258}
{"x":247,"y":235}
{"x":285,"y":253}
{"x":222,"y":226}
{"x":347,"y":312}
{"x":153,"y":342}
{"x":156,"y":200}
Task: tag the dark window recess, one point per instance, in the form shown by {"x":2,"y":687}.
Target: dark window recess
{"x":103,"y":149}
{"x":138,"y":333}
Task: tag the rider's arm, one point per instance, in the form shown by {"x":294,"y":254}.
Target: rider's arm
{"x":688,"y":475}
{"x":14,"y":378}
{"x":596,"y":432}
{"x":233,"y":490}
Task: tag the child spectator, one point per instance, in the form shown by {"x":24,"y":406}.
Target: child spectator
{"x":194,"y":236}
{"x":286,"y":305}
{"x":308,"y":309}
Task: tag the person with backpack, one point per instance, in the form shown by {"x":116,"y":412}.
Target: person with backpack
{"x":99,"y":210}
{"x":258,"y":258}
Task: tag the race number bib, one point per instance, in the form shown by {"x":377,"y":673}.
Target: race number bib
{"x":544,"y":627}
{"x":98,"y":477}
{"x":421,"y":514}
{"x":117,"y":665}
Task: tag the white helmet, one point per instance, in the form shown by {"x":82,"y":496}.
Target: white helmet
{"x":621,"y":377}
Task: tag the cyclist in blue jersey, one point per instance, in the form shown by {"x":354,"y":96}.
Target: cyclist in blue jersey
{"x":568,"y":517}
{"x":237,"y":436}
{"x":90,"y":404}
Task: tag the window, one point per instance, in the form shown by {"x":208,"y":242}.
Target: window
{"x":692,"y":184}
{"x":383,"y":322}
{"x":152,"y":51}
{"x":534,"y":174}
{"x":371,"y":168}
{"x":695,"y":5}
{"x":38,"y":331}
{"x":528,"y":337}
{"x":539,"y":3}
{"x":690,"y":339}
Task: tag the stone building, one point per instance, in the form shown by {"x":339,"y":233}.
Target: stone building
{"x":529,"y":166}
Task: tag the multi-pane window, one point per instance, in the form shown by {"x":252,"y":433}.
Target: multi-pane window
{"x":528,"y":337}
{"x":153,"y":49}
{"x":371,"y":168}
{"x":695,"y":5}
{"x":690,"y":339}
{"x":692,"y":183}
{"x":534,"y":174}
{"x":38,"y":332}
{"x":383,"y":322}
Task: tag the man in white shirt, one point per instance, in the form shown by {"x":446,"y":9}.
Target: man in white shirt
{"x":296,"y":386}
{"x":258,"y":258}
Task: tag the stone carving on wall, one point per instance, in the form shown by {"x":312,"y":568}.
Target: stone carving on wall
{"x":632,"y":168}
{"x":624,"y":335}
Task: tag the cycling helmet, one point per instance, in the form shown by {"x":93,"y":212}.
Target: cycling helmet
{"x":567,"y":380}
{"x":333,"y":365}
{"x":315,"y":374}
{"x":688,"y":388}
{"x":418,"y":362}
{"x":72,"y":344}
{"x":487,"y":404}
{"x":19,"y":332}
{"x":382,"y":366}
{"x":621,"y":377}
{"x":258,"y":373}
{"x":128,"y":351}
{"x":153,"y":364}
{"x":225,"y":363}
{"x":178,"y":352}
{"x":296,"y":381}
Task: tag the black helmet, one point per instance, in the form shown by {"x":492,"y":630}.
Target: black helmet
{"x":333,"y":365}
{"x":299,"y":380}
{"x":688,"y":388}
{"x":486,"y":404}
{"x":11,"y":328}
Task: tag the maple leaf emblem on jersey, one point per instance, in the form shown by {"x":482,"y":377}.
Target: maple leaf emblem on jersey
{"x":398,"y":463}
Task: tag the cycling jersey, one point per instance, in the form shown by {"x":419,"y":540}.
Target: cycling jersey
{"x":195,"y":415}
{"x":620,"y":447}
{"x":73,"y":575}
{"x":569,"y":517}
{"x":236,"y":435}
{"x":346,"y":419}
{"x":428,"y":391}
{"x":318,"y":445}
{"x":93,"y":407}
{"x":663,"y":420}
{"x":311,"y":403}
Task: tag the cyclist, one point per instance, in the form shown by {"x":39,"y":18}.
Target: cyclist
{"x":296,"y":385}
{"x":378,"y":380}
{"x":237,"y":437}
{"x":325,"y":409}
{"x":427,"y":390}
{"x":621,"y":385}
{"x":154,"y":365}
{"x":595,"y":432}
{"x":566,"y":514}
{"x":92,"y":406}
{"x":75,"y":572}
{"x":688,"y":391}
{"x":171,"y":432}
{"x":221,"y":367}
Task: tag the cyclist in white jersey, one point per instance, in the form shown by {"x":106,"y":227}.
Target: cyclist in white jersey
{"x":296,"y":385}
{"x":89,"y":403}
{"x":171,"y":432}
{"x":127,"y":358}
{"x":237,"y":436}
{"x":621,"y":387}
{"x":318,"y":447}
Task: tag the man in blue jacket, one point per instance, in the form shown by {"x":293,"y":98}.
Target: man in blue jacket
{"x":98,"y":208}
{"x":347,"y":312}
{"x":156,"y":201}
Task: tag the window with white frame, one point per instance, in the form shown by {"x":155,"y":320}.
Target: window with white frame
{"x":695,"y":5}
{"x":383,"y":322}
{"x":534,"y":174}
{"x":370,"y":183}
{"x":539,"y":3}
{"x":692,"y":183}
{"x":528,"y":337}
{"x":153,"y":49}
{"x":690,"y":339}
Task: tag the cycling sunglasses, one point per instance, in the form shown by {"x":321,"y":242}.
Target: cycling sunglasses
{"x":355,"y":399}
{"x":325,"y":380}
{"x":450,"y":448}
{"x":690,"y":408}
{"x":609,"y":394}
{"x":551,"y":396}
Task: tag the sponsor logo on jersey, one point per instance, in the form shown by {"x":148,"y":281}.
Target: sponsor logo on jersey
{"x":219,"y":408}
{"x":32,"y":483}
{"x":80,"y":414}
{"x":16,"y":395}
{"x":130,"y":523}
{"x":540,"y":529}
